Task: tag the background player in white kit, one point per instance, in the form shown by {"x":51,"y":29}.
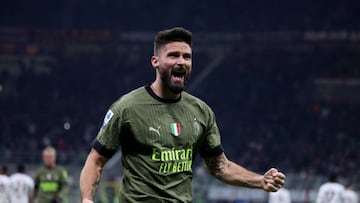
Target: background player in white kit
{"x":21,"y":186}
{"x":350,"y":195}
{"x":331,"y":192}
{"x":4,"y":185}
{"x":281,"y":196}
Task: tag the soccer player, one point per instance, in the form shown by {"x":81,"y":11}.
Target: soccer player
{"x":331,"y":191}
{"x":4,"y":185}
{"x":160,"y":129}
{"x":51,"y":180}
{"x":350,"y":195}
{"x":21,"y":186}
{"x":281,"y":196}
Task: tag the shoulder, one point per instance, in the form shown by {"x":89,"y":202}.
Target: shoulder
{"x":60,"y":168}
{"x":341,"y":187}
{"x":338,"y":186}
{"x":332,"y":186}
{"x":349,"y":192}
{"x":323,"y":187}
{"x":134,"y":94}
{"x":130,"y":98}
{"x":196,"y":102}
{"x":14,"y":176}
{"x":20,"y":176}
{"x":62,"y":171}
{"x":27,"y":178}
{"x":40,"y":170}
{"x":4,"y":177}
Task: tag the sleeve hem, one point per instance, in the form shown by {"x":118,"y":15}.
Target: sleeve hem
{"x":101,"y":149}
{"x":212,"y":152}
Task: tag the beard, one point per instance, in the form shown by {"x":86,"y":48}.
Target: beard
{"x":175,"y":80}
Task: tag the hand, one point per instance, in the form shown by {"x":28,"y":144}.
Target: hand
{"x":273,"y":180}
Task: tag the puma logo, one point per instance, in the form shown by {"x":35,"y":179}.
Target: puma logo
{"x":157,"y":131}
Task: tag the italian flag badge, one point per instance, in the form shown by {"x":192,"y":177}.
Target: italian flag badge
{"x":175,"y":129}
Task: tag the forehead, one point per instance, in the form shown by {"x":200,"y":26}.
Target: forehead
{"x":176,"y":47}
{"x":48,"y":153}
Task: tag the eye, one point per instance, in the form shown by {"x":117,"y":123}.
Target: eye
{"x":173,"y":54}
{"x":187,"y":56}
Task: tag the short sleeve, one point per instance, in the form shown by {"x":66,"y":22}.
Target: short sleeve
{"x":212,"y":143}
{"x":108,"y":137}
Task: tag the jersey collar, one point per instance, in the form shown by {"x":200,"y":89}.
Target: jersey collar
{"x":152,"y":93}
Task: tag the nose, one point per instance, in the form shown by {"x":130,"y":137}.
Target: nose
{"x":181,"y":60}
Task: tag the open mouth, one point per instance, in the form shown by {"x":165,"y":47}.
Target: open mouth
{"x":178,"y":76}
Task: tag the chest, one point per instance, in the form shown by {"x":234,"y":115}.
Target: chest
{"x":49,"y":176}
{"x":166,"y":126}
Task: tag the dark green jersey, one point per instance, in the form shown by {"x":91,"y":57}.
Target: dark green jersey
{"x":159,"y":140}
{"x":50,"y":183}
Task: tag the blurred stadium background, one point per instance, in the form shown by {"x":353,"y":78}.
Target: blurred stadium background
{"x":283,"y":78}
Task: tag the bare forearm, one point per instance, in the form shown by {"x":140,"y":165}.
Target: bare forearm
{"x":232,"y":173}
{"x":90,"y":176}
{"x":89,"y":181}
{"x":237,"y":175}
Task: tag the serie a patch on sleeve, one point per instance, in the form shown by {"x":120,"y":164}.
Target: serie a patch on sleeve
{"x":107,"y":118}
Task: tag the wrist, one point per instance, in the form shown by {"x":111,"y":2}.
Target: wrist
{"x":263,"y":183}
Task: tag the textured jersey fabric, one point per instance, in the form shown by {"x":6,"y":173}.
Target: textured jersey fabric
{"x":21,"y":187}
{"x":281,"y":196}
{"x":350,"y":196}
{"x":4,"y":189}
{"x":330,"y":192}
{"x":159,"y":140}
{"x":51,"y":183}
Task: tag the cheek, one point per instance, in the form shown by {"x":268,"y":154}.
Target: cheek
{"x":169,"y":62}
{"x":189,"y":67}
{"x":166,"y":65}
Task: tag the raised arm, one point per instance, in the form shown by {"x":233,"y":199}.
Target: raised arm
{"x":90,"y":175}
{"x":234,"y":174}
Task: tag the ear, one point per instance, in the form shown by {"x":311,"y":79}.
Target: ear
{"x":155,"y":61}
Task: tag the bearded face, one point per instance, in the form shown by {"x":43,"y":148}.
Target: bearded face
{"x":174,"y":66}
{"x":174,"y":79}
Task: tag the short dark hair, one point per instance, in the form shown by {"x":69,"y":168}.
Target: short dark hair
{"x":348,"y":184}
{"x":333,"y":177}
{"x":20,"y":168}
{"x":4,"y":169}
{"x":176,"y":34}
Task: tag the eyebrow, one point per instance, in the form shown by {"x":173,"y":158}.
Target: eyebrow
{"x":178,"y":53}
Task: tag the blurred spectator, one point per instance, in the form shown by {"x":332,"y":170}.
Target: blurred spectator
{"x":51,"y":184}
{"x":331,"y":191}
{"x":350,"y":195}
{"x":4,"y":185}
{"x":21,"y":186}
{"x":281,"y":196}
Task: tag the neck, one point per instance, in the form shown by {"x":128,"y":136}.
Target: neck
{"x":50,"y":166}
{"x":163,"y":92}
